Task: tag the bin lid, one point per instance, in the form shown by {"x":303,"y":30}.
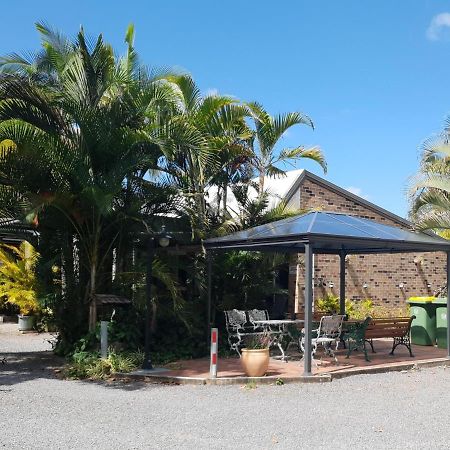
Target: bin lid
{"x":440,"y":301}
{"x":420,"y":299}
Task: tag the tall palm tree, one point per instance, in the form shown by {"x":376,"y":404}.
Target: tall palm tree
{"x":200,"y":139}
{"x":74,"y":122}
{"x":268,"y":131}
{"x":430,"y":188}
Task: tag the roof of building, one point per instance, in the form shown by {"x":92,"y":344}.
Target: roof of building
{"x":329,"y":232}
{"x":305,"y":174}
{"x":285,"y":187}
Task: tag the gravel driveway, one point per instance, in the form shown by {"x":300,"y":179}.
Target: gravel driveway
{"x":38,"y":411}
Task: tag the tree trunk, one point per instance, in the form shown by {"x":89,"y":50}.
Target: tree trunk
{"x":225,"y":199}
{"x":92,"y":299}
{"x":93,"y":282}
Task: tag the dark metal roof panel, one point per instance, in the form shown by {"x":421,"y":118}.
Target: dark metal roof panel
{"x":331,"y":232}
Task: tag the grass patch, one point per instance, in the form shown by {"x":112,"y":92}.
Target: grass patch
{"x":89,"y":365}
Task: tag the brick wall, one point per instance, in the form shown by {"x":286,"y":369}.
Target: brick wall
{"x":420,"y":273}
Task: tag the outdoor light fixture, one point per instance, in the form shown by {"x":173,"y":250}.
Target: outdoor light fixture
{"x":365,"y":286}
{"x":418,"y":260}
{"x":401,"y":285}
{"x":331,"y":284}
{"x":164,"y":238}
{"x":428,"y":285}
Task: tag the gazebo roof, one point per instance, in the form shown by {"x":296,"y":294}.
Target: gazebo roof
{"x":329,"y":232}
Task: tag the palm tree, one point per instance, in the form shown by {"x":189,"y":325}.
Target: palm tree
{"x":268,"y":131}
{"x":430,"y":189}
{"x":200,"y":140}
{"x":76,"y":120}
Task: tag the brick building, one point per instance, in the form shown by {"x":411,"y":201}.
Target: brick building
{"x":386,"y":279}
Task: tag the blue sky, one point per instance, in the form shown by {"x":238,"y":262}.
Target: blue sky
{"x":373,"y":75}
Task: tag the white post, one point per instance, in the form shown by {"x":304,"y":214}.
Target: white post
{"x":104,"y":339}
{"x":214,"y":347}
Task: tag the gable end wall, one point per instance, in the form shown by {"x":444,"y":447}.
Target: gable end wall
{"x":420,"y":273}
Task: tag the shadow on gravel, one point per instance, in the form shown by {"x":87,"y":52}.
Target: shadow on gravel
{"x":26,"y":366}
{"x":129,"y":386}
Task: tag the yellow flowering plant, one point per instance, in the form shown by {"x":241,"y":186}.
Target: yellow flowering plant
{"x":18,"y":281}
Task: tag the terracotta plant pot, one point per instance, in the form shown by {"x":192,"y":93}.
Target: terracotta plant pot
{"x":255,"y":362}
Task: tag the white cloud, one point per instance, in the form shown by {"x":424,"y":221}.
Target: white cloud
{"x":357,"y":191}
{"x":439,"y":27}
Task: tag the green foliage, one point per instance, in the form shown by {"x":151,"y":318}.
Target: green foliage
{"x":329,"y":304}
{"x":355,"y":310}
{"x":97,"y":152}
{"x":430,"y":188}
{"x":268,"y":131}
{"x":18,"y":282}
{"x":249,"y":386}
{"x":85,"y":364}
{"x":245,"y":278}
{"x":362,"y":309}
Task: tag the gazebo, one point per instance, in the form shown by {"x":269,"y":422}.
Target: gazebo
{"x":328,"y":233}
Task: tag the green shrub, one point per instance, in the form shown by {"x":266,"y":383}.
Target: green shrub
{"x":355,"y":310}
{"x":330,"y":304}
{"x":85,"y":364}
{"x":362,"y":309}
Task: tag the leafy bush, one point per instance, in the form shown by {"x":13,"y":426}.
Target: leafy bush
{"x":89,"y":364}
{"x":362,"y":309}
{"x":329,"y":304}
{"x":18,"y":282}
{"x":381,"y":312}
{"x":356,"y":310}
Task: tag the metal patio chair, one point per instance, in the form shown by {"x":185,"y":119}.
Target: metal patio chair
{"x":235,"y":321}
{"x":355,"y":337}
{"x":255,"y":315}
{"x":327,"y":335}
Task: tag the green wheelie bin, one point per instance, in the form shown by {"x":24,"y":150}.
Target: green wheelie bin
{"x":423,"y":327}
{"x":441,"y":322}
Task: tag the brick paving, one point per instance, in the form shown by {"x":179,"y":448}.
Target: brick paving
{"x":231,"y":367}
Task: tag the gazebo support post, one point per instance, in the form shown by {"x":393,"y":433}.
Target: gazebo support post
{"x":209,"y":294}
{"x":448,"y":305}
{"x":342,"y":255}
{"x":307,"y":357}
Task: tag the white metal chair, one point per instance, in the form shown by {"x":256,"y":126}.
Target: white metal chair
{"x":257,"y":314}
{"x":327,"y":335}
{"x":235,"y":321}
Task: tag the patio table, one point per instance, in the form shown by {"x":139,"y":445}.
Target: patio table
{"x":279,"y":330}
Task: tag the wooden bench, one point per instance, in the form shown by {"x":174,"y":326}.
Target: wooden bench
{"x":397,"y":328}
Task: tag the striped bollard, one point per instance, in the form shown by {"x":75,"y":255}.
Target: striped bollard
{"x":214,"y":347}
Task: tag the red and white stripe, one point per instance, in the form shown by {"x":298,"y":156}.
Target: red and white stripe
{"x":214,"y":349}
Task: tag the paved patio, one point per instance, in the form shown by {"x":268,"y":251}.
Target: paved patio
{"x":230,"y":370}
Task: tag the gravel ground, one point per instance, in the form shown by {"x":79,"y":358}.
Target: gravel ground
{"x":394,"y":410}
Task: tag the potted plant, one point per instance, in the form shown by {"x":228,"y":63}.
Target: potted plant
{"x":18,"y":281}
{"x":255,"y":356}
